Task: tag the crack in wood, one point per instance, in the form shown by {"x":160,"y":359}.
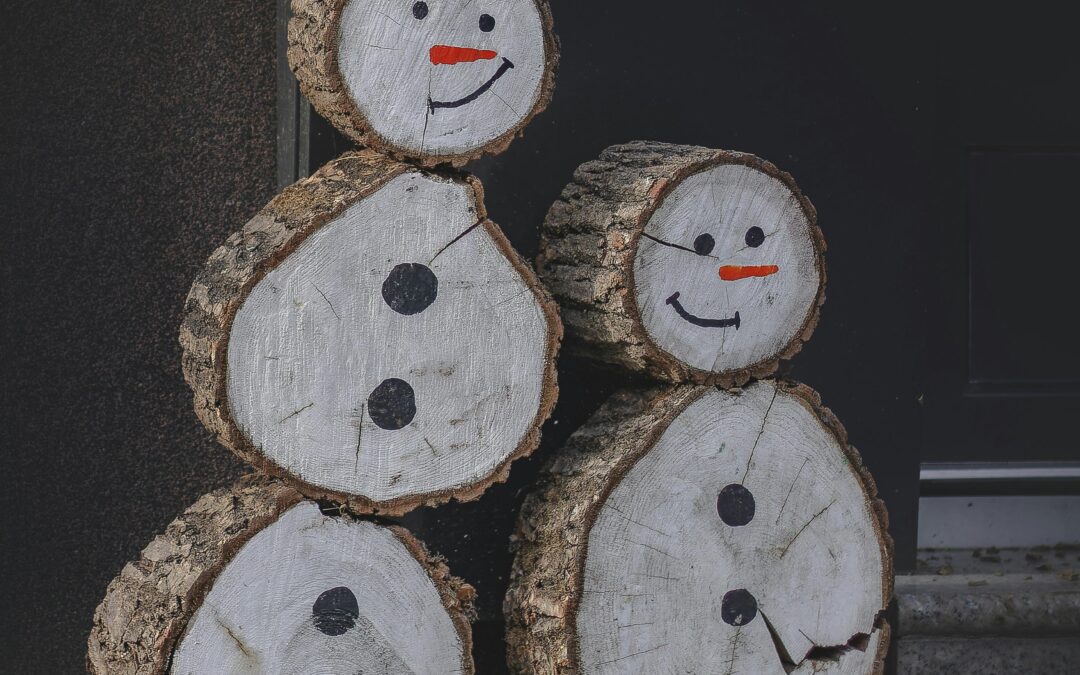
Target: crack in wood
{"x":456,"y":240}
{"x":630,"y":656}
{"x":857,"y":642}
{"x":384,"y":14}
{"x":359,"y":436}
{"x":790,"y":490}
{"x":229,"y":631}
{"x":635,"y":625}
{"x":636,"y":522}
{"x":431,"y":447}
{"x":764,"y":421}
{"x":327,"y":301}
{"x":653,"y":548}
{"x":734,"y":642}
{"x":681,"y":248}
{"x":786,"y":661}
{"x":309,"y":405}
{"x":803,"y":528}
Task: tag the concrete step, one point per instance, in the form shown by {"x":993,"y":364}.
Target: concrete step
{"x":987,"y":611}
{"x":990,"y":612}
{"x":987,"y":656}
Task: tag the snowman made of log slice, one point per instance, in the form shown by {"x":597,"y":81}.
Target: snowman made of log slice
{"x":721,"y":524}
{"x":371,"y":343}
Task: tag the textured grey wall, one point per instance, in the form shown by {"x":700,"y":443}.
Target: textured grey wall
{"x":136,"y":136}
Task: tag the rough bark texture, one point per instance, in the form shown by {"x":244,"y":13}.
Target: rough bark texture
{"x":236,"y":267}
{"x":590,"y":240}
{"x":146,"y":609}
{"x":553,"y":530}
{"x":313,"y":39}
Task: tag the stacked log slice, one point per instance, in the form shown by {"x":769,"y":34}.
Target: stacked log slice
{"x":696,"y":530}
{"x":372,"y":338}
{"x":686,"y":263}
{"x":255,"y":579}
{"x":442,"y":81}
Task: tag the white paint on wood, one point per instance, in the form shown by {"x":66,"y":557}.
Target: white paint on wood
{"x":660,"y":559}
{"x":316,"y":337}
{"x":725,"y":202}
{"x":259,"y":614}
{"x":386,"y":62}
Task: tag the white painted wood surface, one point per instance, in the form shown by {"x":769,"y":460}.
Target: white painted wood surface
{"x":388,"y":67}
{"x":705,"y":225}
{"x":316,"y":337}
{"x":261,"y":613}
{"x":661,"y":559}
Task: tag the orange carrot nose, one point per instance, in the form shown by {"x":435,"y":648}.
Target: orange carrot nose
{"x":736,"y":272}
{"x":444,"y":55}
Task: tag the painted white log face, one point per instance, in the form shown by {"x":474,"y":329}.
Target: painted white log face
{"x":436,"y":80}
{"x":702,"y":531}
{"x":253,"y":579}
{"x":316,"y":594}
{"x":744,"y":512}
{"x":458,"y":334}
{"x":687,"y":263}
{"x":726,"y":272}
{"x":399,"y":354}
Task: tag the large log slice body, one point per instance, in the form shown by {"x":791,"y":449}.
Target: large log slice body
{"x":255,"y":580}
{"x":693,"y":530}
{"x":372,"y":338}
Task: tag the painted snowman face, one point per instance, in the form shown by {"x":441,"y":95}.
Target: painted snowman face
{"x":727,"y":272}
{"x":309,"y":595}
{"x":744,"y":538}
{"x":442,"y":77}
{"x":396,"y":352}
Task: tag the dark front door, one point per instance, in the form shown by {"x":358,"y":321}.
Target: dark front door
{"x":1004,"y":378}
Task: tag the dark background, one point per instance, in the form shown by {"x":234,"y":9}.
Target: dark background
{"x":138,"y":135}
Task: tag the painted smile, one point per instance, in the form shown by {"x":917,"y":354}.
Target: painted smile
{"x":435,"y":105}
{"x":698,"y":321}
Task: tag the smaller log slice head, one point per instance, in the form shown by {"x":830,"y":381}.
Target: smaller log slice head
{"x":373,"y":339}
{"x":434,"y":81}
{"x":703,"y":531}
{"x":692,"y":264}
{"x":254,"y":579}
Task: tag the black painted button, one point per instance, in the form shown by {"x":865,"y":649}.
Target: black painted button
{"x":487,"y":23}
{"x":735,"y":505}
{"x":755,"y":237}
{"x":420,"y":10}
{"x":410,"y":288}
{"x":738,"y":608}
{"x":704,"y":244}
{"x":335,"y":612}
{"x":392,"y":405}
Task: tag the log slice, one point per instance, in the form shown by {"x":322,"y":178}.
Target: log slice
{"x":687,"y":263}
{"x":698,"y":530}
{"x":372,"y":338}
{"x":255,"y":579}
{"x":438,"y":81}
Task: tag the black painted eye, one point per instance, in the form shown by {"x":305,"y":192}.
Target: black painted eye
{"x":392,"y":405}
{"x":335,"y":612}
{"x":755,"y":237}
{"x":487,"y":23}
{"x":410,"y":288}
{"x":736,"y":505}
{"x":738,"y":607}
{"x":420,"y":10}
{"x":704,"y":244}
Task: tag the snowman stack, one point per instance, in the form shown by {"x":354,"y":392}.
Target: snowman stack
{"x":371,"y":343}
{"x":721,"y":523}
